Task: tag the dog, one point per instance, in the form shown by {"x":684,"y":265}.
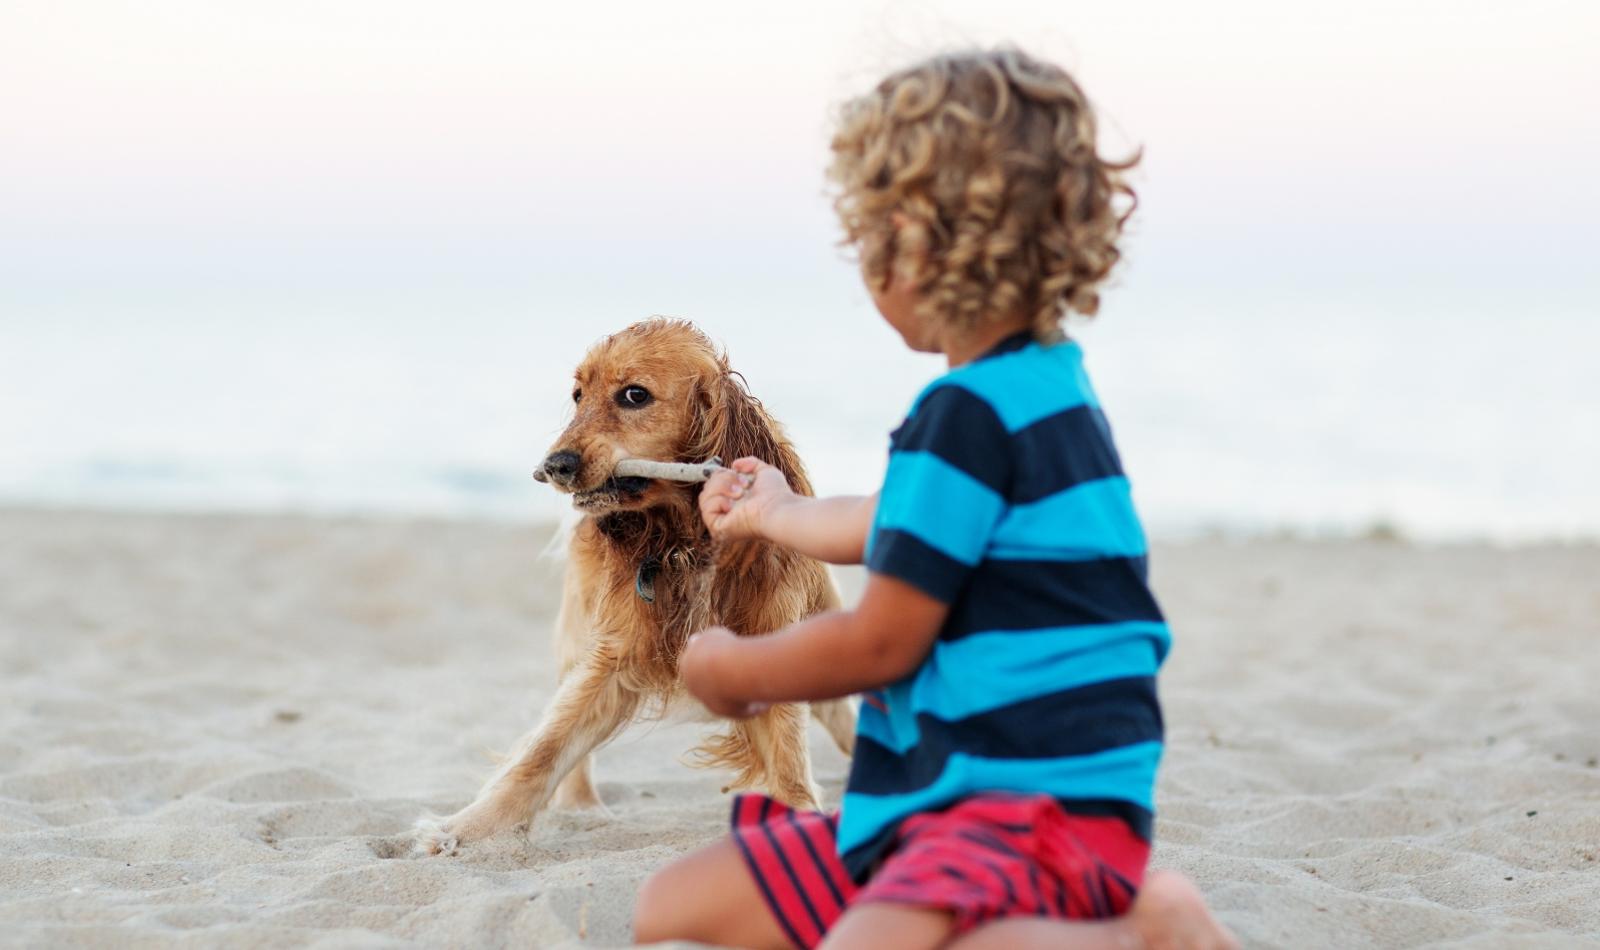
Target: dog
{"x":643,"y":574}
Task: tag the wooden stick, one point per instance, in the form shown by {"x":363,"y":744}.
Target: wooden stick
{"x":671,"y":471}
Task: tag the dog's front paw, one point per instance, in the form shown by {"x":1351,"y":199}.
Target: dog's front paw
{"x":434,"y":837}
{"x":477,"y":821}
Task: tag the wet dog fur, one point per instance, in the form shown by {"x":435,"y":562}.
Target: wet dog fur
{"x":656,"y":390}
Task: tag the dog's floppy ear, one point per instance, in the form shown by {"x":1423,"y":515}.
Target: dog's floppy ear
{"x":732,"y":424}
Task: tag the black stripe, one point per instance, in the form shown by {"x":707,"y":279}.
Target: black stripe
{"x":1010,"y":344}
{"x":1080,"y":721}
{"x":960,"y":427}
{"x":1105,"y":889}
{"x":1038,"y":892}
{"x":1117,"y":876}
{"x":1059,"y":451}
{"x":1033,"y":595}
{"x":766,"y":892}
{"x":912,"y":835}
{"x":788,"y":869}
{"x":1102,"y":906}
{"x":1005,"y":880}
{"x":822,"y":869}
{"x":1139,"y":820}
{"x":955,"y":872}
{"x":988,"y":839}
{"x":905,"y":556}
{"x":862,"y":860}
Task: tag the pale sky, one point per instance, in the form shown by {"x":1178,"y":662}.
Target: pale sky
{"x":357,"y":143}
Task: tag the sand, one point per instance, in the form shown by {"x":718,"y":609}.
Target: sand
{"x":217,"y":730}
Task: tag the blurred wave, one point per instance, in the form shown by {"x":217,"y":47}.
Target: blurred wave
{"x":1296,"y":416}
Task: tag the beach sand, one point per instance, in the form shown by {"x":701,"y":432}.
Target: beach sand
{"x":217,"y":730}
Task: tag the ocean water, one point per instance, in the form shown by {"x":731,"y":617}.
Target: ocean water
{"x":1267,"y":414}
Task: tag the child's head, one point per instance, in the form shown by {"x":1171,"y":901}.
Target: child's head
{"x":971,"y":183}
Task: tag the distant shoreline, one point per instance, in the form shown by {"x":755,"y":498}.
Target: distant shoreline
{"x":1376,"y":532}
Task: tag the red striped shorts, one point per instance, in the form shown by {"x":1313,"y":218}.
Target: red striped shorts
{"x":983,"y":858}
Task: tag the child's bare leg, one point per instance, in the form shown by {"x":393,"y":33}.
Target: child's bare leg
{"x":707,"y":896}
{"x":901,"y":927}
{"x":1168,"y":914}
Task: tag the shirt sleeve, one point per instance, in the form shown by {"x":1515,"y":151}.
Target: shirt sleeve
{"x":950,"y":468}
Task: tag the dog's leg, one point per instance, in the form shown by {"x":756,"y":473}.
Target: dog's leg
{"x":837,"y":716}
{"x":574,"y":641}
{"x":577,"y":789}
{"x":777,"y":738}
{"x":590,"y":706}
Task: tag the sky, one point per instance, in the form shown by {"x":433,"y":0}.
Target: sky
{"x":295,"y":203}
{"x":185,"y":144}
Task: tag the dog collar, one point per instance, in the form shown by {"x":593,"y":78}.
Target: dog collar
{"x":644,"y":582}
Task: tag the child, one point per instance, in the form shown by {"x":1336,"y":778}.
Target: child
{"x":1006,"y":643}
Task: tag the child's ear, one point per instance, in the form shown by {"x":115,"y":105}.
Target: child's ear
{"x":908,"y":252}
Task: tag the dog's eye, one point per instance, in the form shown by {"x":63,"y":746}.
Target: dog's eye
{"x":577,"y":394}
{"x":632,"y":397}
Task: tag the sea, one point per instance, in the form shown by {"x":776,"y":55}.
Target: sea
{"x":1288,"y":411}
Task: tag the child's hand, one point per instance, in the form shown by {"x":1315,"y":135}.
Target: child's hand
{"x":734,"y":503}
{"x":698,"y":667}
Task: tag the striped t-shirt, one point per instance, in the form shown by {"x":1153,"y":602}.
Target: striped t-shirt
{"x":1005,"y":499}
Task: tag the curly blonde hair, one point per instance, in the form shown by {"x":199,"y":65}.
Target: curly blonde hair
{"x":982,"y":165}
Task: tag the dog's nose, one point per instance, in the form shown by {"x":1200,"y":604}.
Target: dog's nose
{"x":562,"y":467}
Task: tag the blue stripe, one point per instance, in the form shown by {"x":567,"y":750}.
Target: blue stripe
{"x":1063,"y":450}
{"x":1080,"y":721}
{"x":988,"y":670}
{"x":895,"y":729}
{"x":1126,"y":774}
{"x":996,"y":670}
{"x":1089,"y":521}
{"x":1032,"y":595}
{"x":950,"y":510}
{"x":1027,"y":385}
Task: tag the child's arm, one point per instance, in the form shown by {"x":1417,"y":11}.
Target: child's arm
{"x":754,"y":501}
{"x":826,"y":656}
